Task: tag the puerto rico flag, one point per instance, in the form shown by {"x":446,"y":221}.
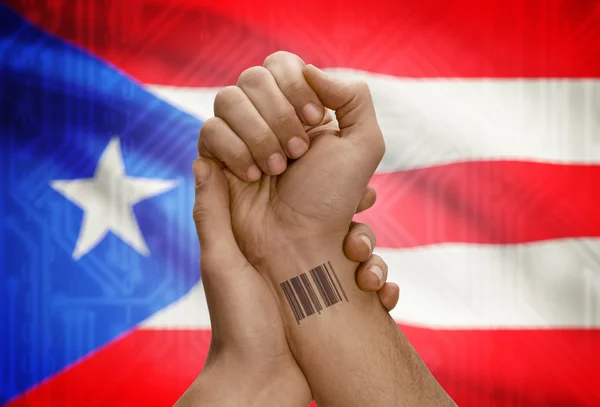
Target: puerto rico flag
{"x":488,"y":208}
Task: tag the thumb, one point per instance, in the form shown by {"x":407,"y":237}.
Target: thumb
{"x":218,"y":247}
{"x":353,"y":107}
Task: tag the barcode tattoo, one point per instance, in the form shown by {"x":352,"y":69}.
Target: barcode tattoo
{"x":301,"y":293}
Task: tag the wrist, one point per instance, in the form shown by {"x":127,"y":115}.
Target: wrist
{"x":291,"y":255}
{"x":295,"y":259}
{"x":314,"y":278}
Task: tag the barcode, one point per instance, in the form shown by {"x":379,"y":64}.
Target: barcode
{"x":301,"y":293}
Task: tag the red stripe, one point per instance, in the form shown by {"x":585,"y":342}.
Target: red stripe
{"x":478,"y":368}
{"x":485,"y":202}
{"x":142,"y":368}
{"x":208,"y":43}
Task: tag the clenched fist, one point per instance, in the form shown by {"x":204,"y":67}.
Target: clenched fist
{"x":307,"y":202}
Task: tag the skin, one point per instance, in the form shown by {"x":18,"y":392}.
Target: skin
{"x":352,"y":354}
{"x":310,"y":197}
{"x":249,"y":361}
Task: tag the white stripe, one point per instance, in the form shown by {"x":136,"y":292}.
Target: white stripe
{"x":436,"y":121}
{"x":189,"y":312}
{"x":552,"y":284}
{"x":547,"y":284}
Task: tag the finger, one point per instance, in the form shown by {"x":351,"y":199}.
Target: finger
{"x":218,"y":247}
{"x":389,"y":295}
{"x":219,"y":141}
{"x":353,"y":107}
{"x":371,"y":274}
{"x":262,"y":90}
{"x":233,"y":106}
{"x":286,"y":68}
{"x":367,"y":200}
{"x":359,"y":242}
{"x":228,"y":278}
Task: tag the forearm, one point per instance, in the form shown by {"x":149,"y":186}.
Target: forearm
{"x":351,"y":352}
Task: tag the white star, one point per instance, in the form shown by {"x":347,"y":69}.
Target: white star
{"x":107,"y":200}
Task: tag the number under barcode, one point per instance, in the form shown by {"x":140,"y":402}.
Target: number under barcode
{"x":305,"y":292}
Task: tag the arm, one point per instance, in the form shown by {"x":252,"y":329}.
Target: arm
{"x":294,"y":219}
{"x":249,"y":361}
{"x":352,"y":353}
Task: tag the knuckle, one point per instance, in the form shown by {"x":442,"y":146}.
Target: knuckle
{"x":227,"y":98}
{"x":361,"y":91}
{"x":253,"y":76}
{"x":209,"y":134}
{"x":208,"y":129}
{"x":279,"y":56}
{"x":239,"y":154}
{"x":283,"y":118}
{"x":362,"y":88}
{"x":261,"y":144}
{"x":293,"y":87}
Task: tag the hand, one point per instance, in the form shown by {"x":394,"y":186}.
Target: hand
{"x":249,"y":358}
{"x":317,"y":195}
{"x":255,"y":127}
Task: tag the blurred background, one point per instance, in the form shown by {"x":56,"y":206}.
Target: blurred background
{"x":488,"y":197}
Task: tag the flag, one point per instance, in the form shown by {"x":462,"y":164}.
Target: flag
{"x":487,"y":211}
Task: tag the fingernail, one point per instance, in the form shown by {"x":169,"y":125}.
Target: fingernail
{"x":201,"y":170}
{"x":367,"y":241}
{"x":253,"y":173}
{"x":312,"y":113}
{"x":296,"y":147}
{"x":375,"y":269}
{"x":276,"y":163}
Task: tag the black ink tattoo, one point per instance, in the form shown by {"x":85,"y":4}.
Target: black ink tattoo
{"x":302,"y":297}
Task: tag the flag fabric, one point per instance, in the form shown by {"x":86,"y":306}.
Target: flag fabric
{"x":487,"y":211}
